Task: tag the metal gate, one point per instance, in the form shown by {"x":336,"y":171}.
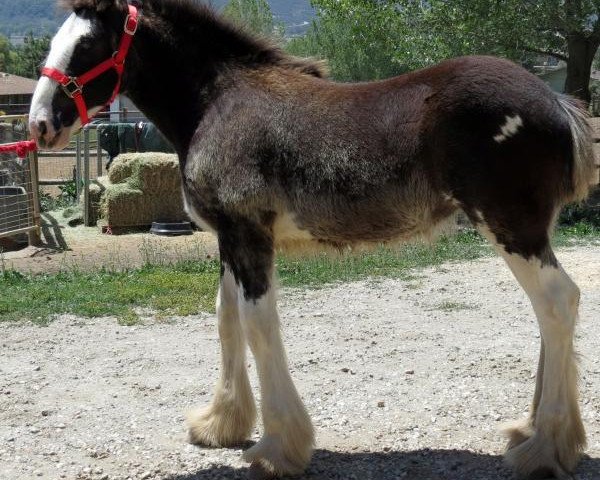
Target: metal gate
{"x":19,"y":202}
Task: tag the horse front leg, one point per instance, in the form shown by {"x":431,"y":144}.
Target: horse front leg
{"x":229,"y":419}
{"x":288,"y":438}
{"x":287,"y":442}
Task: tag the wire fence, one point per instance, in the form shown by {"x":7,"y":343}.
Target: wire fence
{"x":19,"y":202}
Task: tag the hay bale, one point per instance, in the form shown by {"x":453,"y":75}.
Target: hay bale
{"x":141,"y":188}
{"x":145,"y":170}
{"x":97,"y":188}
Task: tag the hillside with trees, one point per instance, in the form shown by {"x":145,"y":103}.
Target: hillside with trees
{"x":19,"y":17}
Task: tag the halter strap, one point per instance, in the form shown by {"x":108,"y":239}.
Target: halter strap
{"x":73,"y":86}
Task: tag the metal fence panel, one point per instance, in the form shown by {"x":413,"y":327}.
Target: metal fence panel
{"x":19,"y":203}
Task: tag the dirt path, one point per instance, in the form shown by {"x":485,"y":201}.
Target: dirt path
{"x":86,"y":248}
{"x":403,"y":379}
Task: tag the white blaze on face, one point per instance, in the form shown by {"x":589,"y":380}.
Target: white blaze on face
{"x":61,"y":50}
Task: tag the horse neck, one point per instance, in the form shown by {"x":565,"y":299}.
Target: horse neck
{"x":173,"y":79}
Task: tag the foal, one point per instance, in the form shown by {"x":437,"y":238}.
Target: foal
{"x":273,"y":153}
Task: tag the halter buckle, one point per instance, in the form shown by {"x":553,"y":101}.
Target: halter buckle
{"x":72,"y":88}
{"x":117,"y":63}
{"x":130,"y":30}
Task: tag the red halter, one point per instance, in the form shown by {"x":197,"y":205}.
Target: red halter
{"x":73,"y":86}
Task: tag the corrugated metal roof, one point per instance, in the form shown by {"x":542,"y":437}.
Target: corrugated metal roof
{"x":15,"y":85}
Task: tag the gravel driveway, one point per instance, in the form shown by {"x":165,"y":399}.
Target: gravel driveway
{"x":404,"y":379}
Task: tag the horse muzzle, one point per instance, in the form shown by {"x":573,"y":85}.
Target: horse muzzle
{"x":49,"y":134}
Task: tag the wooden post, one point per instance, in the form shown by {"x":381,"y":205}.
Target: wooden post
{"x":35,"y":238}
{"x":86,"y":176}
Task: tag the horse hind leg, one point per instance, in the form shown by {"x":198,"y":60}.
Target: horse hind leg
{"x":230,"y":417}
{"x":552,"y":439}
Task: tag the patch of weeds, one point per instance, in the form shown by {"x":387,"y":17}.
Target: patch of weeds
{"x":411,"y":276}
{"x":66,"y":198}
{"x":577,"y":234}
{"x":155,"y":252}
{"x":449,"y":306}
{"x":129,"y":318}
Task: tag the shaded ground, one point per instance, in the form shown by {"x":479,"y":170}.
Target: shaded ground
{"x":86,"y":248}
{"x":404,"y":379}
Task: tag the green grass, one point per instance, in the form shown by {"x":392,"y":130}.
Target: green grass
{"x":577,"y":234}
{"x":321,"y":270}
{"x":182,"y":289}
{"x":187,"y":287}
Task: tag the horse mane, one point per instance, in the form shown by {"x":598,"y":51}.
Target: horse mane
{"x":252,"y":48}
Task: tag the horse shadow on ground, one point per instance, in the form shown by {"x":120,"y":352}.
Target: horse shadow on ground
{"x":414,"y":465}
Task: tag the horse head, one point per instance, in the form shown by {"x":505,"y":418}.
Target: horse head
{"x":82,"y":72}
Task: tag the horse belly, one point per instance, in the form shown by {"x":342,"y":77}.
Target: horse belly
{"x":362,"y":223}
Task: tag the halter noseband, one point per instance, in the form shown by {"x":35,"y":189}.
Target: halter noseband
{"x":73,"y":86}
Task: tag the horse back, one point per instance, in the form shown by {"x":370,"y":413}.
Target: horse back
{"x":380,"y":161}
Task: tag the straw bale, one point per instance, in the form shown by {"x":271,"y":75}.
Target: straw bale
{"x":145,"y":170}
{"x":97,"y":188}
{"x":141,"y":188}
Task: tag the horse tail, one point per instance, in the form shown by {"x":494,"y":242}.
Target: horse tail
{"x":585,"y":167}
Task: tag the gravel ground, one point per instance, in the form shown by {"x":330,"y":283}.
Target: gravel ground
{"x":404,"y":379}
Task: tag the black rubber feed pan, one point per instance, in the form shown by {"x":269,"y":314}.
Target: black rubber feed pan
{"x":171,"y":229}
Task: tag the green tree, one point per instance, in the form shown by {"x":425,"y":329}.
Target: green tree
{"x":568,"y":30}
{"x":417,"y":33}
{"x":5,"y":53}
{"x":357,"y":37}
{"x":256,"y":15}
{"x":28,"y":57}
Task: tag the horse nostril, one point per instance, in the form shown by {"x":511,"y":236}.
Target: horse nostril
{"x":42,"y":128}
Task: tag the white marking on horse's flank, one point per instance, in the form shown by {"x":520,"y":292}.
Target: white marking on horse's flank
{"x":510,"y":128}
{"x":62,"y":48}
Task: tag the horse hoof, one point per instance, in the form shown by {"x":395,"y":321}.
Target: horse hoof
{"x":532,"y":456}
{"x":258,"y":472}
{"x":270,"y":456}
{"x":218,"y":427}
{"x":540,"y":454}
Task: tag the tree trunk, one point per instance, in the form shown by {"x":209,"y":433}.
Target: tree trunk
{"x":581,"y":49}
